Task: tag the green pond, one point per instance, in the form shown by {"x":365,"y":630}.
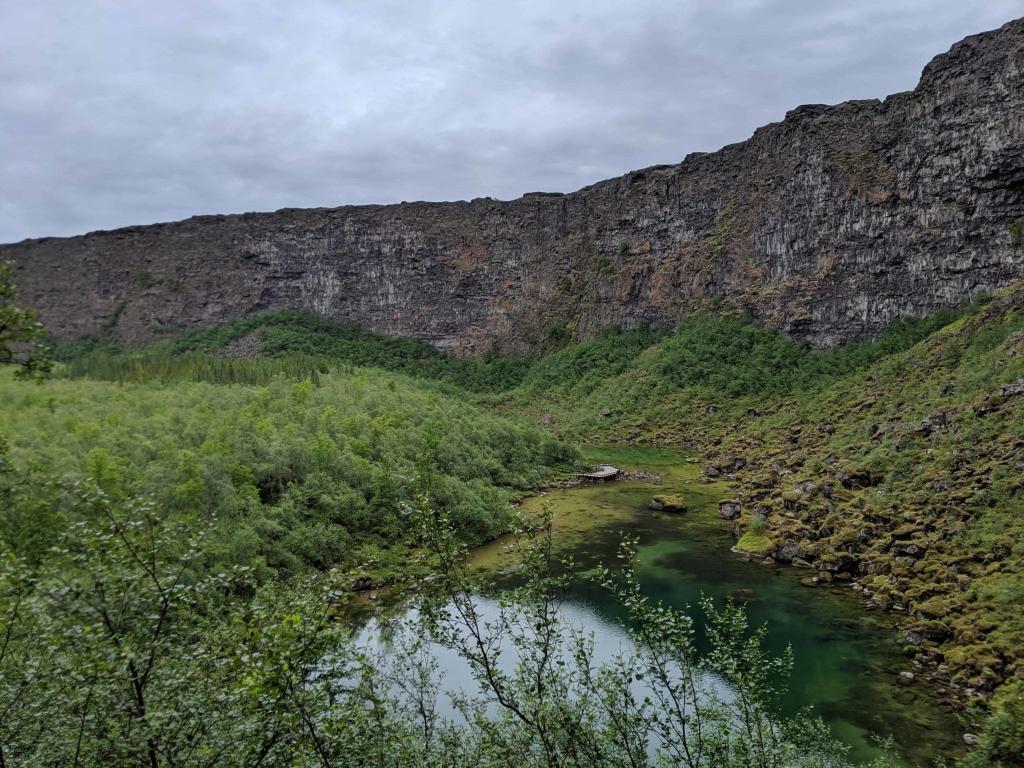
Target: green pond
{"x":847,"y":660}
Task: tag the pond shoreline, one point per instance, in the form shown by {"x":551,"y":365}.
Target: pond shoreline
{"x":848,"y":659}
{"x":892,"y":666}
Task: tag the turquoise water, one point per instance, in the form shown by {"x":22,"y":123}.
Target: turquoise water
{"x":846,"y":659}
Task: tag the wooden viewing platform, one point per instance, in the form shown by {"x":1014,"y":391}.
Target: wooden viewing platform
{"x":601,"y":474}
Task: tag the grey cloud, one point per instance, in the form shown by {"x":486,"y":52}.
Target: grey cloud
{"x":115,"y":113}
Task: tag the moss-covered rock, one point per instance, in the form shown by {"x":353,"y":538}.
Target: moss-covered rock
{"x":752,"y":543}
{"x":668,"y":502}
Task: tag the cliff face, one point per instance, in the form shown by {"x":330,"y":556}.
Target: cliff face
{"x":827,"y":225}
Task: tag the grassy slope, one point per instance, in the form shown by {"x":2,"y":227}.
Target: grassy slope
{"x":929,"y":517}
{"x":925,"y":461}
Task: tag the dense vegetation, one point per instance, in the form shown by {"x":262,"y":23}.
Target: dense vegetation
{"x":294,"y":341}
{"x":22,"y":336}
{"x":726,"y":354}
{"x":296,"y":474}
{"x":122,"y":649}
{"x":614,"y":384}
{"x":221,"y":491}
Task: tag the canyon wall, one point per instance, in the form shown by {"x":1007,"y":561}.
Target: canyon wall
{"x":827,"y":225}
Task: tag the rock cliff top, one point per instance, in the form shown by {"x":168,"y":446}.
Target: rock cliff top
{"x":827,"y":225}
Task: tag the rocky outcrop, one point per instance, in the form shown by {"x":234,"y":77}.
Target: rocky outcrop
{"x":827,"y":225}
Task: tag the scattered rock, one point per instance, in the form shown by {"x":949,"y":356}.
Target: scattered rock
{"x":906,"y":678}
{"x":1016,"y":389}
{"x":807,"y":488}
{"x":741,"y":595}
{"x":910,"y":549}
{"x":729,"y":510}
{"x":668,"y":503}
{"x":1014,"y":344}
{"x":859,"y":478}
{"x":790,"y":552}
{"x":971,"y":739}
{"x":729,"y":464}
{"x":912,"y":638}
{"x":791,"y":499}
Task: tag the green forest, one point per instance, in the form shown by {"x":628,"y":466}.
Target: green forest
{"x":183,"y":526}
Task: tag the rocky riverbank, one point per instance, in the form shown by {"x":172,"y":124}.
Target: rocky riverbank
{"x":906,"y":490}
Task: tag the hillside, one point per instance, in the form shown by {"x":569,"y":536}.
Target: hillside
{"x":827,"y":225}
{"x":891,"y":464}
{"x":894,"y":466}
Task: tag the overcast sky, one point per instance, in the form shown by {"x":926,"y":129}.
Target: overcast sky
{"x":134,"y":111}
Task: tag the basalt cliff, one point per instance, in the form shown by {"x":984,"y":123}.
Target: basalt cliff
{"x":827,"y":225}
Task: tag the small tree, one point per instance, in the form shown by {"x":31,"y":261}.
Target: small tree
{"x":21,"y":334}
{"x":101,"y":656}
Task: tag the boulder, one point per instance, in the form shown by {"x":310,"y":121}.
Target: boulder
{"x":913,"y":638}
{"x":807,"y":488}
{"x":910,"y":549}
{"x":668,"y":503}
{"x":789,"y":552}
{"x":791,"y":499}
{"x":729,"y":463}
{"x":1016,"y":389}
{"x":859,"y":478}
{"x":1014,"y":344}
{"x":729,"y":509}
